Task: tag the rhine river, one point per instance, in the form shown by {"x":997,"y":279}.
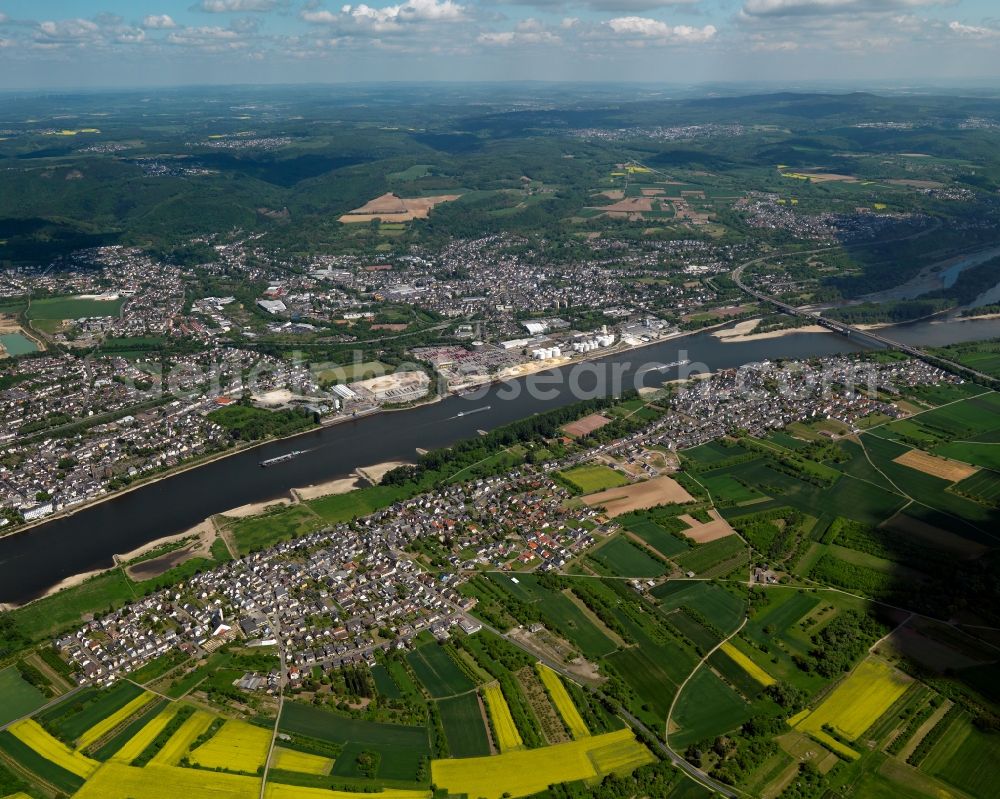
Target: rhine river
{"x":38,"y":559}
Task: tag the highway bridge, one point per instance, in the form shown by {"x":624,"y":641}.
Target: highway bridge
{"x":866,"y":337}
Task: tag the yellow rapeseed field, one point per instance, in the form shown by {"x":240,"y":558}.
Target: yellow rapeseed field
{"x":304,"y":763}
{"x":528,"y":771}
{"x":854,"y":705}
{"x":137,"y":744}
{"x":756,"y":672}
{"x":503,"y":723}
{"x":105,"y":726}
{"x":30,"y":732}
{"x":237,"y":746}
{"x":564,"y":704}
{"x":278,"y":791}
{"x":118,"y":781}
{"x":834,"y":745}
{"x":175,"y":748}
{"x":619,"y":755}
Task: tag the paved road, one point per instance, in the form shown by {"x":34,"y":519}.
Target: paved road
{"x":281,"y":705}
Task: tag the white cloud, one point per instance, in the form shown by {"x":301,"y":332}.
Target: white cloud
{"x":503,"y":38}
{"x":798,"y":8}
{"x":3,"y":18}
{"x":785,"y":46}
{"x":526,"y":35}
{"x":6,"y":43}
{"x":208,"y":39}
{"x":390,"y":18}
{"x":127,"y":35}
{"x":646,"y":28}
{"x":223,"y":6}
{"x":973,"y":31}
{"x":159,"y":22}
{"x":322,"y":17}
{"x":634,"y":5}
{"x":69,"y":30}
{"x":612,"y":6}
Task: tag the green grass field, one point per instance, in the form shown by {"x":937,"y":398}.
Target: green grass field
{"x":713,"y":452}
{"x":439,"y":674}
{"x":560,"y":611}
{"x":400,"y":747}
{"x":702,"y":560}
{"x":344,"y":507}
{"x":783,"y":610}
{"x":735,"y":675}
{"x":72,"y":308}
{"x":313,"y":722}
{"x":384,"y":683}
{"x":17,"y":697}
{"x":727,"y":490}
{"x":983,"y":486}
{"x":592,"y":477}
{"x":44,"y":617}
{"x":625,"y":559}
{"x":659,"y":538}
{"x":966,"y":758}
{"x":706,"y":708}
{"x":697,"y":633}
{"x":645,"y":672}
{"x":719,"y":606}
{"x":782,"y":439}
{"x":354,"y":371}
{"x":463,"y":726}
{"x":972,"y":518}
{"x":985,"y":454}
{"x":972,"y":419}
{"x":260,"y":532}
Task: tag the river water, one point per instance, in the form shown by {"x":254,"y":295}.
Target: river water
{"x":34,"y":561}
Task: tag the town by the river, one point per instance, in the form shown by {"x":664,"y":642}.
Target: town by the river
{"x":34,"y":561}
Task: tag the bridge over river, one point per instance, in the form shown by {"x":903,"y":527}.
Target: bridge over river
{"x":866,"y":337}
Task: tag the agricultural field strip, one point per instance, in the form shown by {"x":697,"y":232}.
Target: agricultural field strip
{"x":179,"y":743}
{"x":105,"y":726}
{"x":528,"y":771}
{"x":137,"y":745}
{"x":464,"y":725}
{"x":237,"y":746}
{"x":507,"y":735}
{"x":276,"y":790}
{"x":748,"y":665}
{"x":302,"y":762}
{"x":33,"y":735}
{"x":562,"y":701}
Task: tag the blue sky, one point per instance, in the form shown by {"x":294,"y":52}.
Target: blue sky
{"x":64,"y":43}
